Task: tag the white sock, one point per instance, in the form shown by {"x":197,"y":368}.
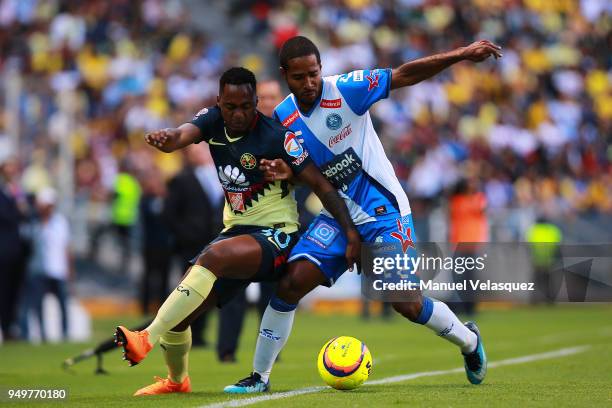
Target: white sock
{"x":274,"y":331}
{"x":446,"y":325}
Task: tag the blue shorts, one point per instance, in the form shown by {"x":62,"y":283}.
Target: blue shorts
{"x":324,"y":243}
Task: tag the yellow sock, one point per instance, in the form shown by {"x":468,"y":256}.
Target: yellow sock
{"x":176,"y":346}
{"x":186,"y":298}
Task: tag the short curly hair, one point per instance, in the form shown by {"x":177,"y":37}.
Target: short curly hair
{"x":297,"y":47}
{"x":237,"y":76}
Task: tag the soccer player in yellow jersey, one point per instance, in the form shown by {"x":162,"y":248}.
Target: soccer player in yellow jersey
{"x":260,"y":217}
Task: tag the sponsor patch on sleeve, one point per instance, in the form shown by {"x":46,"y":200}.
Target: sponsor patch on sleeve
{"x":292,"y":145}
{"x":201,"y":112}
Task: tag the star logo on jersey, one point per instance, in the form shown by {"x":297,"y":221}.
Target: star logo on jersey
{"x":292,"y":145}
{"x":403,"y":236}
{"x":248,"y":161}
{"x":333,"y":121}
{"x":373,"y":79}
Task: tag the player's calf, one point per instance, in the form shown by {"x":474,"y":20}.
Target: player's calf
{"x":410,"y":310}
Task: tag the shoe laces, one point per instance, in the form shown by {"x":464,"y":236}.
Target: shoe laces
{"x":251,"y":380}
{"x":473,"y":361}
{"x":160,"y":380}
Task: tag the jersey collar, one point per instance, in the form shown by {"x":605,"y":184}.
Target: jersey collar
{"x":251,"y":128}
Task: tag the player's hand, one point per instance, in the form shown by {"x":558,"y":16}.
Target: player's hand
{"x":480,"y":51}
{"x":275,"y":169}
{"x":162,"y":138}
{"x":353,"y":250}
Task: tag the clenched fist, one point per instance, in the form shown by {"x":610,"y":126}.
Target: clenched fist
{"x":163,"y":138}
{"x":481,"y":50}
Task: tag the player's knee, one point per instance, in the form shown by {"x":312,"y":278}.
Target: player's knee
{"x":291,"y":289}
{"x":182,"y":326}
{"x":213,"y":260}
{"x":410,"y":310}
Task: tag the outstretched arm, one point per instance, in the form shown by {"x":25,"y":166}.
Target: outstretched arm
{"x":421,"y":69}
{"x":171,"y":139}
{"x":333,"y":203}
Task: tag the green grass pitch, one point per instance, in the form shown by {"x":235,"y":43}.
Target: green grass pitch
{"x":398,"y":347}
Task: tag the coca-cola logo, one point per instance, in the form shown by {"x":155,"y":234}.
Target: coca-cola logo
{"x":344,"y":133}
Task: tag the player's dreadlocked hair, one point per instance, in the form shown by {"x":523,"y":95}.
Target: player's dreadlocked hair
{"x":297,"y":47}
{"x":237,"y":76}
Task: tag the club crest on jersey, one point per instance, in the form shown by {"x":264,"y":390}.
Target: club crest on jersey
{"x":201,"y":112}
{"x":333,"y":121}
{"x":292,"y":145}
{"x":236,"y":201}
{"x":248,"y":161}
{"x":373,"y":79}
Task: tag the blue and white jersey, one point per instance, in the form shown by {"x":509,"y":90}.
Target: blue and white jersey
{"x":339,"y":135}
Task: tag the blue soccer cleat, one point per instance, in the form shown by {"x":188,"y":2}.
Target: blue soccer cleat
{"x":476,"y":361}
{"x":248,"y":385}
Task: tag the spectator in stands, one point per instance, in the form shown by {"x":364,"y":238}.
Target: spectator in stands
{"x":156,"y":242}
{"x":51,"y":265}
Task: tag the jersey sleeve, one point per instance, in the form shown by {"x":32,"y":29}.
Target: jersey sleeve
{"x":204,"y":120}
{"x":294,"y":153}
{"x":362,"y":88}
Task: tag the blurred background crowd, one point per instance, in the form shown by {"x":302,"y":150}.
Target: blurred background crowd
{"x":530,"y":134}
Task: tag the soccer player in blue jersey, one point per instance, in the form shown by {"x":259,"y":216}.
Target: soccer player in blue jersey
{"x":331,"y":115}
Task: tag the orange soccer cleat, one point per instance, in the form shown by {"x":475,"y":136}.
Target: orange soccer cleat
{"x":165,"y":386}
{"x":135,"y":344}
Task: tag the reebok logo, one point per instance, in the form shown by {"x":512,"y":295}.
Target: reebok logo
{"x":269,"y":334}
{"x":342,"y":169}
{"x":344,"y":163}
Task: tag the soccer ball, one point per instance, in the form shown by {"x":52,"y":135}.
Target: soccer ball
{"x":344,"y":363}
